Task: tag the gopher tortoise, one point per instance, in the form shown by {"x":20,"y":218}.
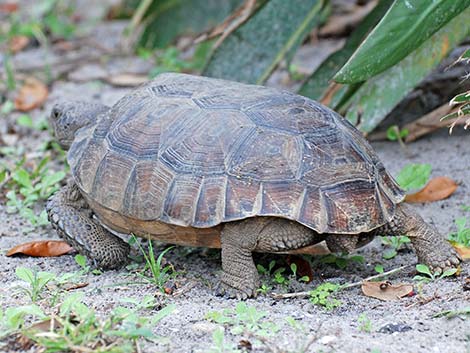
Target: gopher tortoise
{"x":206,"y":162}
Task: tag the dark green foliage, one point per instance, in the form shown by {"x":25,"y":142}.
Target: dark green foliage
{"x":165,"y":20}
{"x":253,"y":50}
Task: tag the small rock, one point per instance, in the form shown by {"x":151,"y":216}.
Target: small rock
{"x":327,"y":339}
{"x":203,"y":328}
{"x":392,"y":328}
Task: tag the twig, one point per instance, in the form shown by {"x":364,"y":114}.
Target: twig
{"x":139,"y":14}
{"x":345,"y":286}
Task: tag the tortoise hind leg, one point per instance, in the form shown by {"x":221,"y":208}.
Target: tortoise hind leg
{"x":73,"y":220}
{"x":264,"y":234}
{"x":431,"y":248}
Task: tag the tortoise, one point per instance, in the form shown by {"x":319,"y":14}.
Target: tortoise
{"x":207,"y":162}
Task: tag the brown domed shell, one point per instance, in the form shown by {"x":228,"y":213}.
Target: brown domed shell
{"x":195,"y":151}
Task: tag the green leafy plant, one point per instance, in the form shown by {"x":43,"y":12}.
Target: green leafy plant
{"x":342,"y":261}
{"x":394,"y":133}
{"x":278,"y":276}
{"x":414,"y":176}
{"x":26,"y":187}
{"x":160,"y":274}
{"x":36,"y":280}
{"x":244,"y":318}
{"x":219,"y":343}
{"x":425,"y":274}
{"x":81,"y":261}
{"x":293,"y":268}
{"x":394,"y":243}
{"x":379,"y":269}
{"x":462,"y":236}
{"x":323,"y":295}
{"x":78,"y":328}
{"x":26,"y":121}
{"x":13,"y":318}
{"x":169,"y":59}
{"x":449,"y":314}
{"x":365,"y":324}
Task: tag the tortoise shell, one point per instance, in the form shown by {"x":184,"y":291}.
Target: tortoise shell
{"x":196,"y":152}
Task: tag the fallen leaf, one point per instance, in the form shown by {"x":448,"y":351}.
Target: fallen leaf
{"x":31,"y":95}
{"x":436,"y":189}
{"x":44,"y":248}
{"x":38,"y":328}
{"x":303,"y":266}
{"x":9,"y":7}
{"x":127,"y":80}
{"x":386,"y":291}
{"x":463,"y":251}
{"x":74,"y":286}
{"x":18,"y":43}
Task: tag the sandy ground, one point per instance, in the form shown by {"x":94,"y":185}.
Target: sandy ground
{"x":407,"y":325}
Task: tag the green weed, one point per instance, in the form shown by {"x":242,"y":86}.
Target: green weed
{"x":219,"y":343}
{"x":245,"y":319}
{"x":14,"y":318}
{"x":365,"y":324}
{"x":379,"y":269}
{"x":169,"y":60}
{"x":462,"y":236}
{"x":394,"y":243}
{"x":449,"y":314}
{"x":341,"y":261}
{"x":322,"y":295}
{"x":414,"y":176}
{"x":160,"y":274}
{"x":278,"y":276}
{"x":26,"y":186}
{"x":78,"y":328}
{"x":294,"y":73}
{"x":425,"y":274}
{"x":394,"y":133}
{"x":36,"y":280}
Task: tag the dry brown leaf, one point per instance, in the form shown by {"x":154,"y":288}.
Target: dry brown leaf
{"x":18,"y":43}
{"x":436,"y":189}
{"x":9,"y":7}
{"x":386,"y":291}
{"x":303,"y":266}
{"x":44,"y":248}
{"x":127,"y":80}
{"x":74,"y":286}
{"x":31,"y":95}
{"x":463,"y":251}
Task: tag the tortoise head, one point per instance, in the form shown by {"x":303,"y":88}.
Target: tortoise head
{"x":68,"y":117}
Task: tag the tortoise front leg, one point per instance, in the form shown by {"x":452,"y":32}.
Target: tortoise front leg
{"x":263,"y":234}
{"x":73,"y":220}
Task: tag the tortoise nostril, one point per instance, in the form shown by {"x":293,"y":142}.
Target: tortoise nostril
{"x":55,"y":113}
